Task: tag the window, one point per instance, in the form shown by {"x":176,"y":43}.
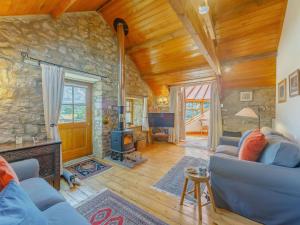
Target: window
{"x":134,"y":112}
{"x":194,"y":108}
{"x":129,"y":111}
{"x":74,"y":104}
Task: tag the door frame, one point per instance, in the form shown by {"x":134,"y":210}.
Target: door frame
{"x":89,"y":116}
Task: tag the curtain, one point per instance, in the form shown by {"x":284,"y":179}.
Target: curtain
{"x":145,"y":123}
{"x":53,"y":88}
{"x":215,"y":121}
{"x":177,"y":106}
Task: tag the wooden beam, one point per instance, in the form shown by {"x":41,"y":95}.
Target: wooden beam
{"x":187,"y":11}
{"x":198,"y":70}
{"x":248,"y":58}
{"x":208,"y":20}
{"x":193,"y":81}
{"x":104,"y":5}
{"x":62,"y":7}
{"x":156,"y":41}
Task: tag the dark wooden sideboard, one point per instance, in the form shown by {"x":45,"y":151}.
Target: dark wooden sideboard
{"x":47,"y":152}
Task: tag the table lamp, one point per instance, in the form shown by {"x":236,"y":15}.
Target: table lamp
{"x":250,"y":113}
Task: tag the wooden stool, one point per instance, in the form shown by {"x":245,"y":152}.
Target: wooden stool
{"x":197,"y":179}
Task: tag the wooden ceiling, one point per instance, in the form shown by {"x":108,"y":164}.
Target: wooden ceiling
{"x":171,"y":43}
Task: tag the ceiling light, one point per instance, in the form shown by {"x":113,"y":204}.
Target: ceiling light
{"x":203,"y":9}
{"x":227,"y":69}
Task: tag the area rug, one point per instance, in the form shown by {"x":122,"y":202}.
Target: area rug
{"x":87,"y":168}
{"x":108,"y":208}
{"x":173,"y":181}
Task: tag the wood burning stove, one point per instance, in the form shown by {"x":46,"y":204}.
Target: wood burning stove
{"x":121,"y":138}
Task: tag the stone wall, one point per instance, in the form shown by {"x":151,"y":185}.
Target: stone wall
{"x":263,"y":97}
{"x":79,"y":40}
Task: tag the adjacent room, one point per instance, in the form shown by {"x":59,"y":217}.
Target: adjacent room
{"x":155,"y":112}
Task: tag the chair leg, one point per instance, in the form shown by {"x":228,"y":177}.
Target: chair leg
{"x":184,"y":190}
{"x":199,"y":203}
{"x":211,"y":196}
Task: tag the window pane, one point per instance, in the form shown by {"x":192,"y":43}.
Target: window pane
{"x":128,"y":118}
{"x":68,"y":95}
{"x":66,"y":114}
{"x":79,"y":113}
{"x":79,"y":95}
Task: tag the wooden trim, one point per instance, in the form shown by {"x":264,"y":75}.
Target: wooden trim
{"x":187,"y":12}
{"x":63,"y":6}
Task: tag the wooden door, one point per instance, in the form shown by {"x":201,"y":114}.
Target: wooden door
{"x":75,"y":122}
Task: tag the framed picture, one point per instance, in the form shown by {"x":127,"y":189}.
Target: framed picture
{"x":282,"y":91}
{"x":246,"y":96}
{"x":294,"y":83}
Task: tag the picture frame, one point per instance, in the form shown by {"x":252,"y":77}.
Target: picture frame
{"x":294,"y":83}
{"x":282,"y":91}
{"x":246,"y":96}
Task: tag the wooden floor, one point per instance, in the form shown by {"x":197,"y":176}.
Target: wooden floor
{"x":135,"y":185}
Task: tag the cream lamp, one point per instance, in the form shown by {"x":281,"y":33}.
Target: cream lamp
{"x":250,"y":113}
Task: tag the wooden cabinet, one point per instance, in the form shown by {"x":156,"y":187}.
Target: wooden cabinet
{"x":46,"y":152}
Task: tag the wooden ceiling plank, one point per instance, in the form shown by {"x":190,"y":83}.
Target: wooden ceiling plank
{"x":61,"y":8}
{"x":187,"y":11}
{"x":248,"y":58}
{"x":157,"y":40}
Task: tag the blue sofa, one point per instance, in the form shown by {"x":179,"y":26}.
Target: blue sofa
{"x":52,"y":204}
{"x":266,"y":191}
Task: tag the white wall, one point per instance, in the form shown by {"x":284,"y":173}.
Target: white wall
{"x":288,"y":60}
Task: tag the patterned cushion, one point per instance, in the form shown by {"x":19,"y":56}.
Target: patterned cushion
{"x":253,"y":146}
{"x":6,"y":173}
{"x":245,"y":134}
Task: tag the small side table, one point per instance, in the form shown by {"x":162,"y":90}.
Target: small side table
{"x":197,"y":180}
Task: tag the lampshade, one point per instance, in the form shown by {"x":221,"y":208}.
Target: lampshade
{"x":247,"y":112}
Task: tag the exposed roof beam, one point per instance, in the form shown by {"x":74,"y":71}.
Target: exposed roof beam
{"x":208,"y":20}
{"x":156,"y":41}
{"x":248,"y":58}
{"x":104,"y":5}
{"x":62,"y":7}
{"x":187,"y":11}
{"x":198,"y":70}
{"x":193,"y":81}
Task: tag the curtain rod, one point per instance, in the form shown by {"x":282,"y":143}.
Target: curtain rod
{"x":38,"y":61}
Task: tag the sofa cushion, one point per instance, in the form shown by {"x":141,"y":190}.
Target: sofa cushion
{"x":41,"y":193}
{"x":6,"y":174}
{"x":228,"y":150}
{"x":63,"y":214}
{"x":17,"y":208}
{"x":283,"y":153}
{"x":244,"y":136}
{"x":253,"y":146}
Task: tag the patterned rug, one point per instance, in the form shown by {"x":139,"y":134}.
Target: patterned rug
{"x":87,"y":168}
{"x":173,"y":181}
{"x":108,"y":208}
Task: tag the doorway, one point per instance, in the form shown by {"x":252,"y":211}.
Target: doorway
{"x":197,"y":111}
{"x":75,"y":121}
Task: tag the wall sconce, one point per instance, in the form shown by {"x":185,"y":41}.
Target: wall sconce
{"x":162,"y":101}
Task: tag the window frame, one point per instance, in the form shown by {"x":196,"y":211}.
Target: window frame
{"x":74,"y":85}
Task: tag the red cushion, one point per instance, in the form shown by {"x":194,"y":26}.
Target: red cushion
{"x":253,"y":146}
{"x":6,"y":173}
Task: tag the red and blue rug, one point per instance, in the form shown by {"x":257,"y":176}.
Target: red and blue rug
{"x":108,"y":208}
{"x":87,"y":168}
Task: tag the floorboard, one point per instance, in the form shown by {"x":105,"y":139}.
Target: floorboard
{"x":136,"y":186}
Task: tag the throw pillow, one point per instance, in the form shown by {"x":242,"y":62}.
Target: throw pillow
{"x":17,"y":208}
{"x":282,"y":153}
{"x":244,"y":136}
{"x":6,"y":173}
{"x":253,"y":146}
